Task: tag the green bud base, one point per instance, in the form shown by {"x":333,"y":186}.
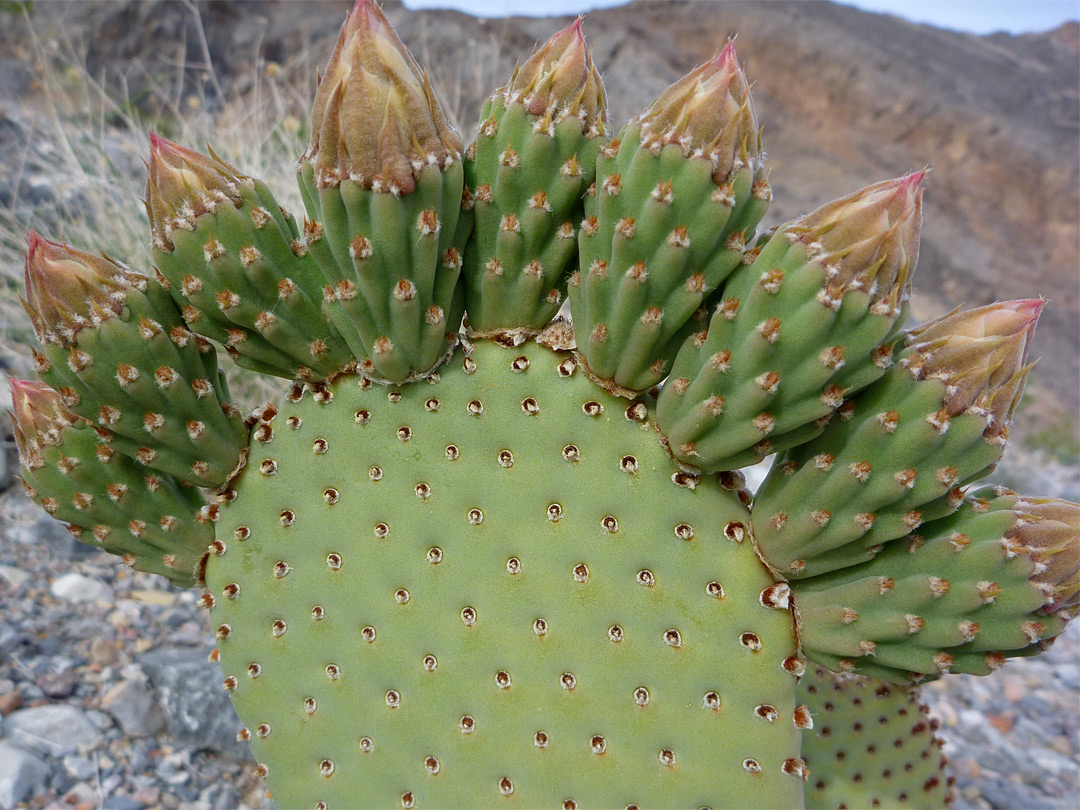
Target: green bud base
{"x":959,"y":596}
{"x":155,"y":522}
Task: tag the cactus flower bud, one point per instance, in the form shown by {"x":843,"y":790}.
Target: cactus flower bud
{"x":1049,"y":531}
{"x":868,"y":240}
{"x":375,"y":119}
{"x":68,"y":289}
{"x":38,"y":417}
{"x":981,"y":355}
{"x":560,"y":79}
{"x":182,"y":184}
{"x":709,"y":113}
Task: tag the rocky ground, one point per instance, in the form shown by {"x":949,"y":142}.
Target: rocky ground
{"x":106,"y":694}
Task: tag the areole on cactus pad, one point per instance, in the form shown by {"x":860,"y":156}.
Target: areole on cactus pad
{"x":486,"y":555}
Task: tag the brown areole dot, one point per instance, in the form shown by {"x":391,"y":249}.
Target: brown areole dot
{"x":750,"y":641}
{"x":735,"y":531}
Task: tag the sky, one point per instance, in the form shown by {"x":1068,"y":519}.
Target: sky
{"x":974,"y":16}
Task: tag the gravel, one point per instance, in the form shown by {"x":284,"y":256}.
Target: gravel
{"x":92,"y":658}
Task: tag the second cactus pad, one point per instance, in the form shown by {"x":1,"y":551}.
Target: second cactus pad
{"x":498,"y":585}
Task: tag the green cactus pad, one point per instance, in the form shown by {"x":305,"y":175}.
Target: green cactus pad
{"x":872,"y":745}
{"x":152,"y":387}
{"x":239,"y":270}
{"x":886,"y":464}
{"x":390,"y":267}
{"x":526,"y":175}
{"x":660,"y":234}
{"x":155,"y":522}
{"x":497,"y":590}
{"x":959,"y":596}
{"x":776,"y":359}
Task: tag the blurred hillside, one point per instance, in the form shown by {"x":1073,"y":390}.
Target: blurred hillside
{"x":846,"y":97}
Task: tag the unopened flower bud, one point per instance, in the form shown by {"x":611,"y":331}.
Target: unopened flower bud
{"x":981,"y":355}
{"x":1049,"y":530}
{"x":69,"y":289}
{"x":183,"y":184}
{"x":868,"y":240}
{"x":560,"y":79}
{"x":708,"y":113}
{"x":38,"y":417}
{"x":375,"y":119}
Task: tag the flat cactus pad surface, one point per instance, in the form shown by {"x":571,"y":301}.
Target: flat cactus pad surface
{"x":499,"y":588}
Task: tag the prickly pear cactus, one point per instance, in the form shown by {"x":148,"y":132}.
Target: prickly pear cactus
{"x":487,"y":555}
{"x":873,"y":744}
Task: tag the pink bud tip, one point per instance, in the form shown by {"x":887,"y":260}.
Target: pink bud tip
{"x":21,"y":388}
{"x":727,"y":55}
{"x":362,"y":5}
{"x":911,"y":182}
{"x":1030,"y":308}
{"x":34,"y":242}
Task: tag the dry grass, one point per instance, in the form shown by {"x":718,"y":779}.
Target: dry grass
{"x":79,"y":176}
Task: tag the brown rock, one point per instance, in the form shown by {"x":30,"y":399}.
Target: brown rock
{"x":147,"y":795}
{"x":10,"y":701}
{"x":1002,"y":722}
{"x":59,"y":685}
{"x":1013,"y":690}
{"x":103,"y":652}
